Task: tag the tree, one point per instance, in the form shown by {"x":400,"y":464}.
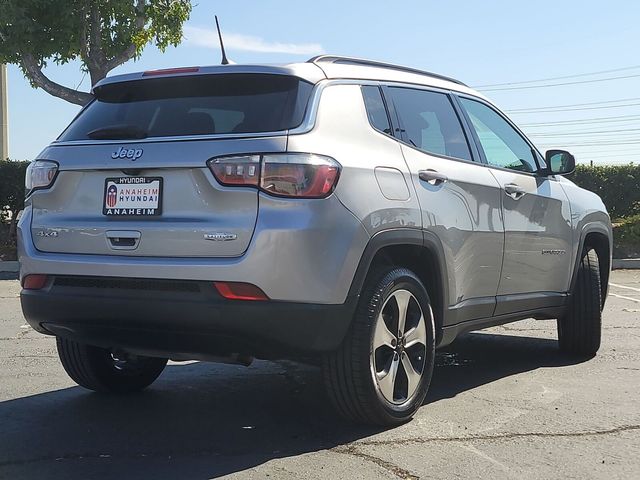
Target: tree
{"x":11,"y":194}
{"x":102,"y":34}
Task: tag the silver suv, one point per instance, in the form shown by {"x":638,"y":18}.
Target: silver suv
{"x":345,"y":210}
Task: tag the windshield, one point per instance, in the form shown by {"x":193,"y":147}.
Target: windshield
{"x":192,"y":105}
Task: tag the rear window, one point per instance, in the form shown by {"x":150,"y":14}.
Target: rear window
{"x":193,"y":105}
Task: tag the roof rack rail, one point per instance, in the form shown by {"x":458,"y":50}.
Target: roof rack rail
{"x":373,"y":63}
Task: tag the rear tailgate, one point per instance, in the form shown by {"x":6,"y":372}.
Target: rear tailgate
{"x":133,"y":176}
{"x":198,"y":218}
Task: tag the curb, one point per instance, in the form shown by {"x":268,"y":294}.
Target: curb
{"x":10,"y":267}
{"x":626,"y":264}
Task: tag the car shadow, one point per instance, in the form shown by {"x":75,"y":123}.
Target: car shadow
{"x":479,"y":358}
{"x":207,"y":420}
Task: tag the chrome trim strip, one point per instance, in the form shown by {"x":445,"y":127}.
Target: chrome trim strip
{"x":182,"y":138}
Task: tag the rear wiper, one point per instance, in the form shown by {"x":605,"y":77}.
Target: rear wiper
{"x":117,"y":132}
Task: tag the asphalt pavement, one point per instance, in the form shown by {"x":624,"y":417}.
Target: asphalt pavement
{"x":504,"y":403}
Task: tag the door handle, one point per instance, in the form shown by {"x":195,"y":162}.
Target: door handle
{"x":432,"y":177}
{"x":123,"y":239}
{"x":514,"y":191}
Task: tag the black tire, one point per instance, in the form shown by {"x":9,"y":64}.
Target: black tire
{"x":349,"y":372}
{"x":580,"y":329}
{"x":97,"y":369}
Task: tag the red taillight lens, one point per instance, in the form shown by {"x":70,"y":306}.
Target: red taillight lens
{"x":34,"y":282}
{"x":240,"y":291}
{"x":298,"y":175}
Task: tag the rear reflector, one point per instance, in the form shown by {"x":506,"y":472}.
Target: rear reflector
{"x":170,"y":71}
{"x":34,"y":282}
{"x":240,"y":291}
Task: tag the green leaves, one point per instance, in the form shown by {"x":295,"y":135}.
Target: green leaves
{"x":102,"y":34}
{"x":626,"y":238}
{"x":617,"y":185}
{"x":166,"y":20}
{"x":11,"y":186}
{"x":11,"y":202}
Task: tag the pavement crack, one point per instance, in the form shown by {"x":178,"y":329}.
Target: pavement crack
{"x":30,"y":356}
{"x":22,"y":338}
{"x":89,"y":456}
{"x":388,"y":466}
{"x":504,"y":436}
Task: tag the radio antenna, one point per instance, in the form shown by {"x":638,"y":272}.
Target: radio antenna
{"x":225,"y":61}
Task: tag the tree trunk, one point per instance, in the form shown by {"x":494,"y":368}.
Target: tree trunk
{"x":91,"y":53}
{"x":34,"y":72}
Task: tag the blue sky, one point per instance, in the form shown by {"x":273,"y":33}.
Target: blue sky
{"x":480,"y":43}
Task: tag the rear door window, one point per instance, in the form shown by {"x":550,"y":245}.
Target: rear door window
{"x":193,"y":105}
{"x":430,"y":122}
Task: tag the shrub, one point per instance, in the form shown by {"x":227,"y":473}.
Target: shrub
{"x":11,"y":202}
{"x":626,"y":238}
{"x":617,"y":185}
{"x":12,"y":186}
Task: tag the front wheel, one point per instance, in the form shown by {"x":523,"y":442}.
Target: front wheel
{"x":102,"y":370}
{"x":382,"y":371}
{"x":579,"y":330}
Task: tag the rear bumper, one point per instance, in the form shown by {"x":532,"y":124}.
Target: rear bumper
{"x":301,"y":251}
{"x":181,"y":319}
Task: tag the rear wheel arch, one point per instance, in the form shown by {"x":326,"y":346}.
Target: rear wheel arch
{"x":419,"y":251}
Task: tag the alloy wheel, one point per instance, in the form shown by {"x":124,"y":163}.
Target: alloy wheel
{"x":399,"y":347}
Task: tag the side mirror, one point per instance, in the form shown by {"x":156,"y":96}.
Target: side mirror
{"x":560,"y":162}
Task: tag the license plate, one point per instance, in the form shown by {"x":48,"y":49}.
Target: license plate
{"x":132,"y":197}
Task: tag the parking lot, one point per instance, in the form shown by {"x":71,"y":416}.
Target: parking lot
{"x":504,"y":403}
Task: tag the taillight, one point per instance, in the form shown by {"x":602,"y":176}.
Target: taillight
{"x":299,"y":175}
{"x":40,"y":174}
{"x":296,"y":175}
{"x":241,"y":170}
